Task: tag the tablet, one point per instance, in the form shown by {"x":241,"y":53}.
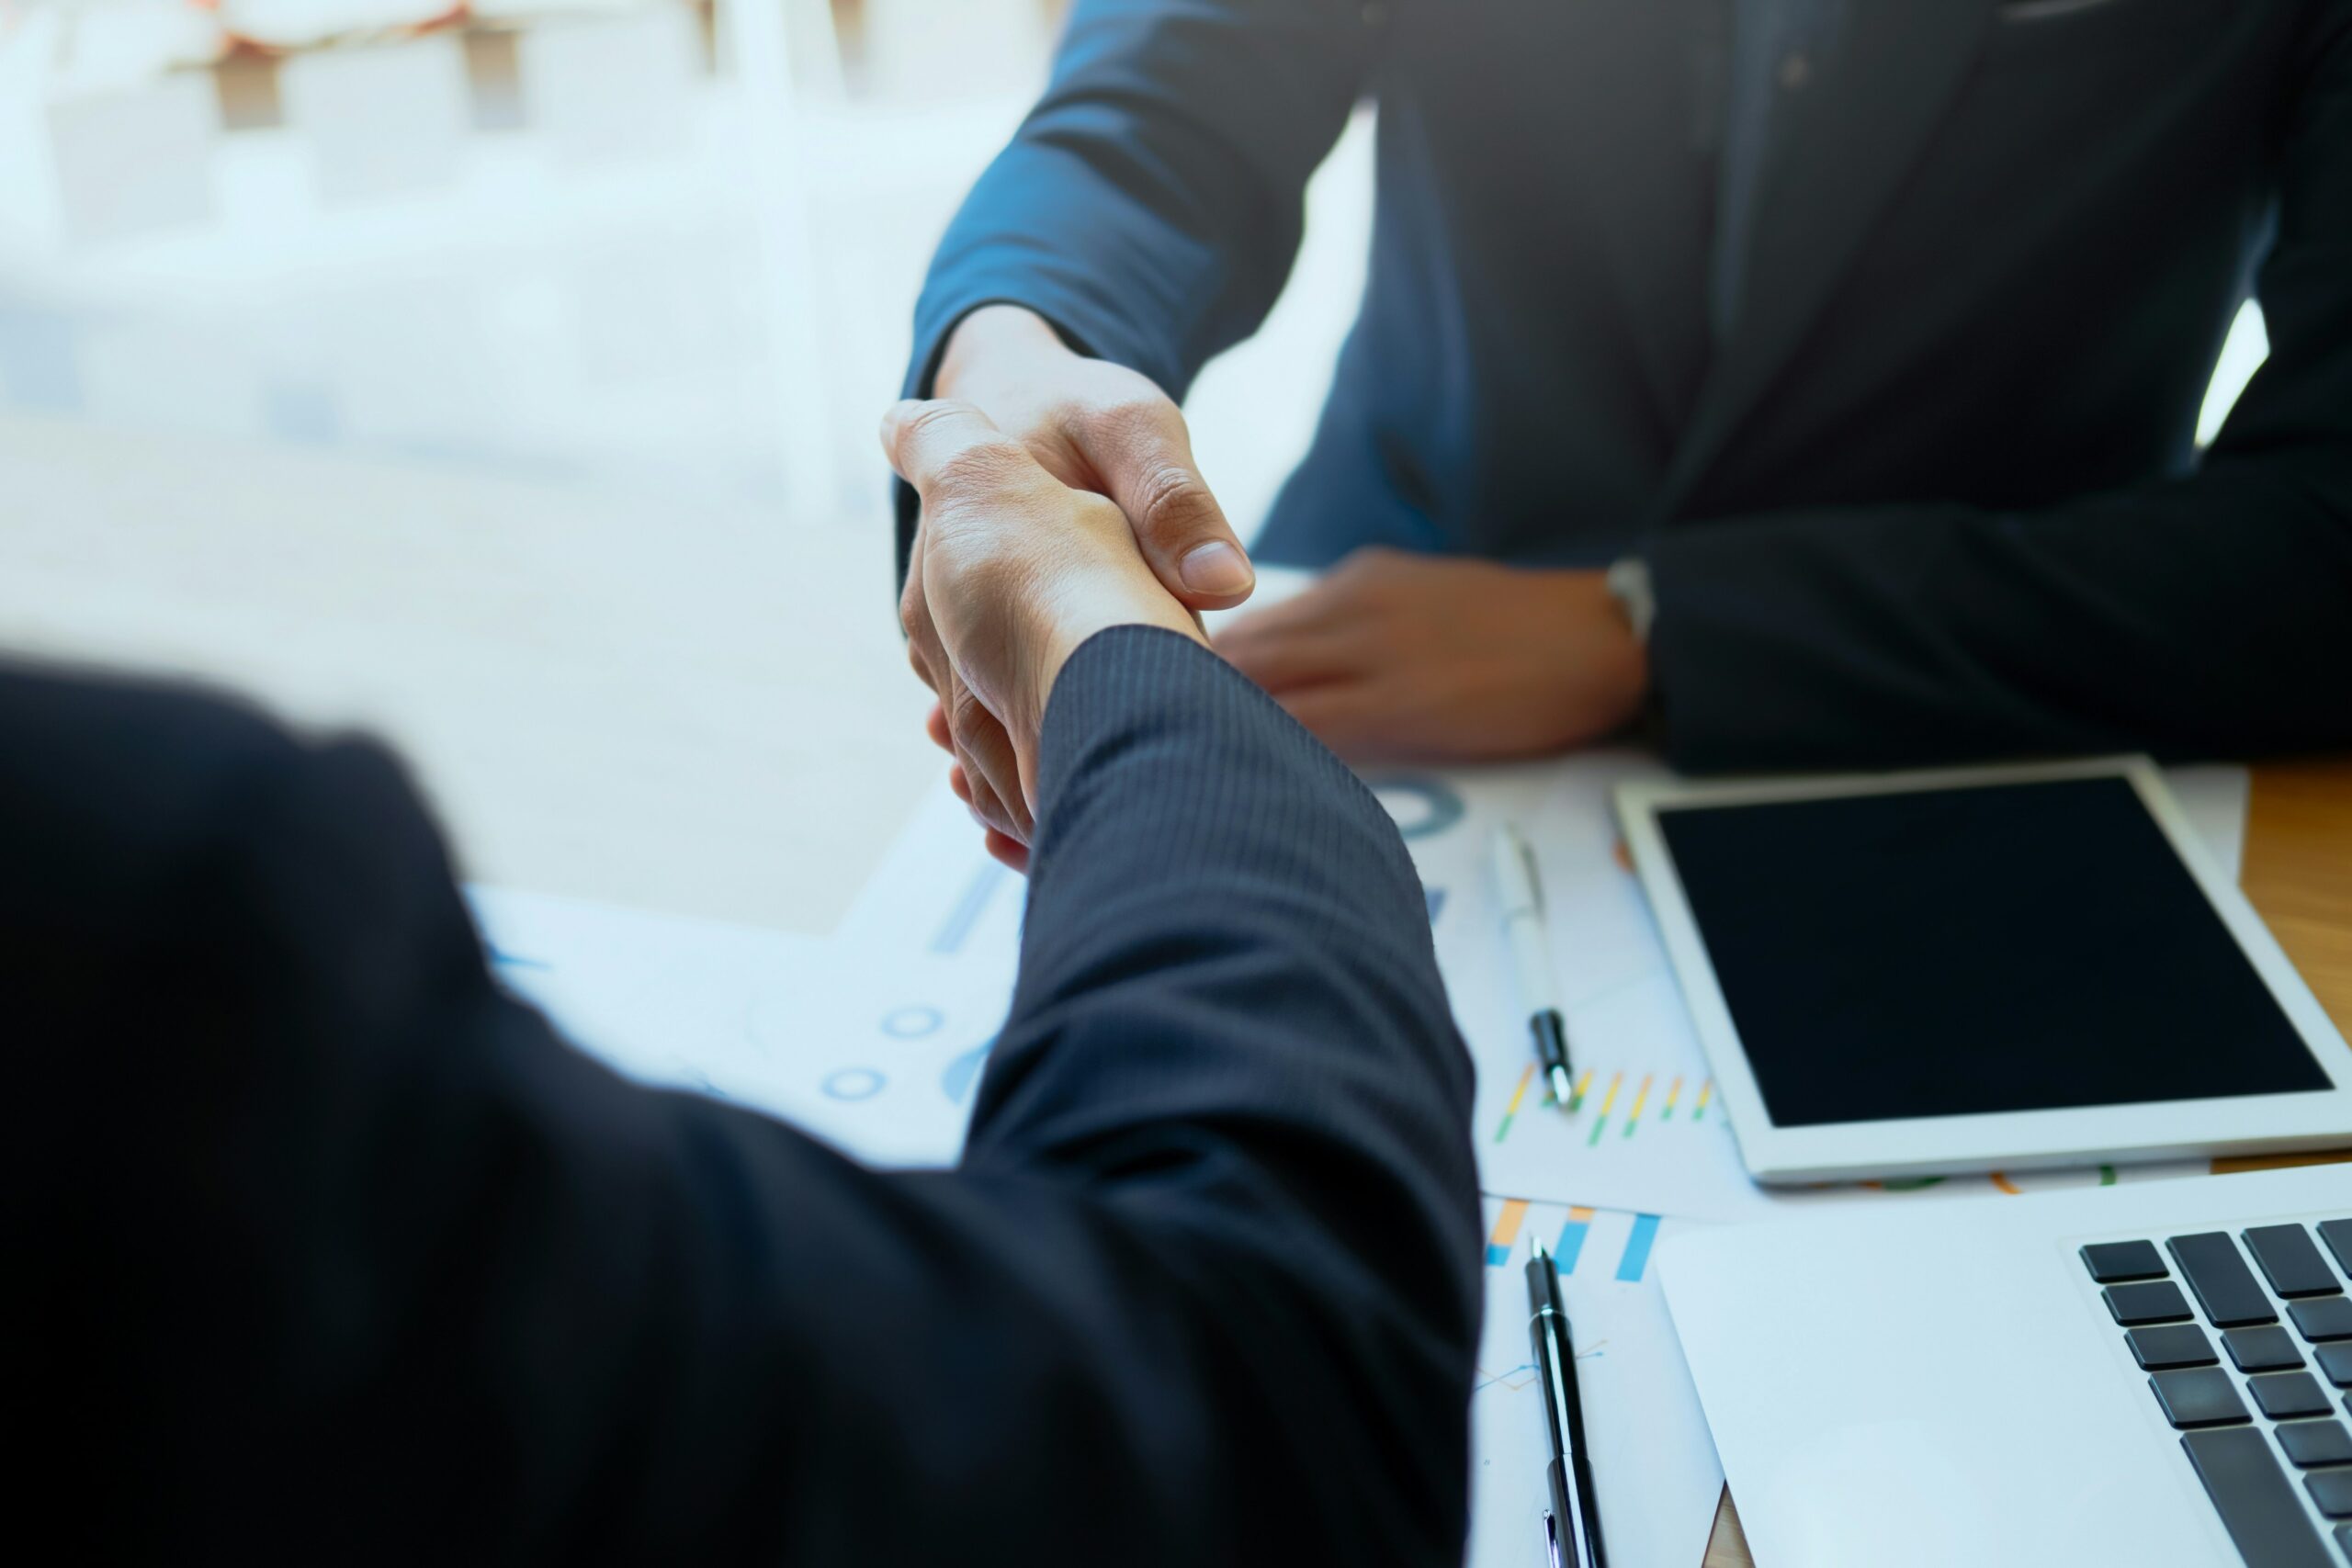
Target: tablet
{"x":1978,"y":970}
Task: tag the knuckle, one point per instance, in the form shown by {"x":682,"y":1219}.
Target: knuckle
{"x":969,"y":719}
{"x":986,"y":803}
{"x":980,"y":467}
{"x":1371,"y":569}
{"x":982,"y":801}
{"x":932,"y":415}
{"x":1129,"y":409}
{"x":1173,"y":502}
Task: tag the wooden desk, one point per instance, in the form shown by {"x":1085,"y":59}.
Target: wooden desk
{"x":2298,"y":872}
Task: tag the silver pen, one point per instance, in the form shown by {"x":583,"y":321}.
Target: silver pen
{"x":1531,"y":952}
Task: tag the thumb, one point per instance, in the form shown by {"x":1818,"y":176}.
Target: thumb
{"x":1146,"y":465}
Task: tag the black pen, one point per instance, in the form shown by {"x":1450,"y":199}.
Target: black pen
{"x":1575,"y":1518}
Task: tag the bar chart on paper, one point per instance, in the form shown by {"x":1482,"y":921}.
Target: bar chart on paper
{"x":1596,"y":1100}
{"x":1654,"y":1465}
{"x":1643,"y":1127}
{"x":1656,"y":1138}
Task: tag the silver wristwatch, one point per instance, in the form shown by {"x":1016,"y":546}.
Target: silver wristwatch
{"x":1629,"y":581}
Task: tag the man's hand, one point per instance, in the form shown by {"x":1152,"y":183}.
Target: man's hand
{"x":1011,"y":570}
{"x":1399,"y":658}
{"x":1101,"y":427}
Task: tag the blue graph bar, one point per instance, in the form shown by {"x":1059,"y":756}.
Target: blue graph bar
{"x":1572,"y":1237}
{"x":968,"y":907}
{"x":961,"y":1073}
{"x":1637,"y":1248}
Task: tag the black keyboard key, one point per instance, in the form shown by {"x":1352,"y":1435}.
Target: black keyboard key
{"x":2311,"y":1443}
{"x":2251,"y":1493}
{"x":2110,"y":1262}
{"x":2337,"y":1233}
{"x":2225,"y":1287}
{"x":2203,"y":1396}
{"x":2334,"y":1363}
{"x":2174,"y":1345}
{"x":2159,"y":1300}
{"x":2285,"y":1395}
{"x":2323,"y":1317}
{"x":2290,"y":1262}
{"x":2268,"y":1349}
{"x":2332,"y":1490}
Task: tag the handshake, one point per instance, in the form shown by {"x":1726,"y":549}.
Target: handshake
{"x":1073,"y":503}
{"x":1011,"y":570}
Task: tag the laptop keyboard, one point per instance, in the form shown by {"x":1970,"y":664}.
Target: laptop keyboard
{"x":2247,"y":1343}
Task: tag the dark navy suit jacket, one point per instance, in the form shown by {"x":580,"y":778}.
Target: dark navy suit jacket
{"x":1934,"y":496}
{"x":322,"y":1250}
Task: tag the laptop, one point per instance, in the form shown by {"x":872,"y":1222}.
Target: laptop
{"x":2156,"y":1374}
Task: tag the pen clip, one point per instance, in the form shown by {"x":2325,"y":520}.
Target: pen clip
{"x":1526,"y":853}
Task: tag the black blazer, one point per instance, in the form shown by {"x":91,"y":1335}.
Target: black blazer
{"x":1935,"y":491}
{"x":321,"y":1249}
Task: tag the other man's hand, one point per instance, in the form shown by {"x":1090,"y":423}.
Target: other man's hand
{"x":1011,"y":570}
{"x":1395,"y":658}
{"x":1102,"y":427}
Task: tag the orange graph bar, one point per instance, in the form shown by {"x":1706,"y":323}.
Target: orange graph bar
{"x":1506,"y":1234}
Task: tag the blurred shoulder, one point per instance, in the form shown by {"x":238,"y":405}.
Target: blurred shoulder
{"x":125,"y":800}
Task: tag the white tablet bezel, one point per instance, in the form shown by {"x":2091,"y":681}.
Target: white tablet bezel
{"x":1940,"y":1146}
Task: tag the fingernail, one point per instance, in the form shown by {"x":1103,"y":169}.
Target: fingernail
{"x":1216,"y":567}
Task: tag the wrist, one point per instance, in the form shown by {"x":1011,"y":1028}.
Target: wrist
{"x":1077,"y":625}
{"x":987,"y":339}
{"x":1618,"y":655}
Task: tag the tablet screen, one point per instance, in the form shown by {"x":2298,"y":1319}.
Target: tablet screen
{"x":1960,"y":951}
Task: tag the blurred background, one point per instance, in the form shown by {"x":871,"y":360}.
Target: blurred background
{"x":502,"y":375}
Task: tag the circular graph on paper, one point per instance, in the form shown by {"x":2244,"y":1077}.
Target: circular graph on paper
{"x":1423,"y":806}
{"x":853,"y":1083}
{"x":913,"y":1022}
